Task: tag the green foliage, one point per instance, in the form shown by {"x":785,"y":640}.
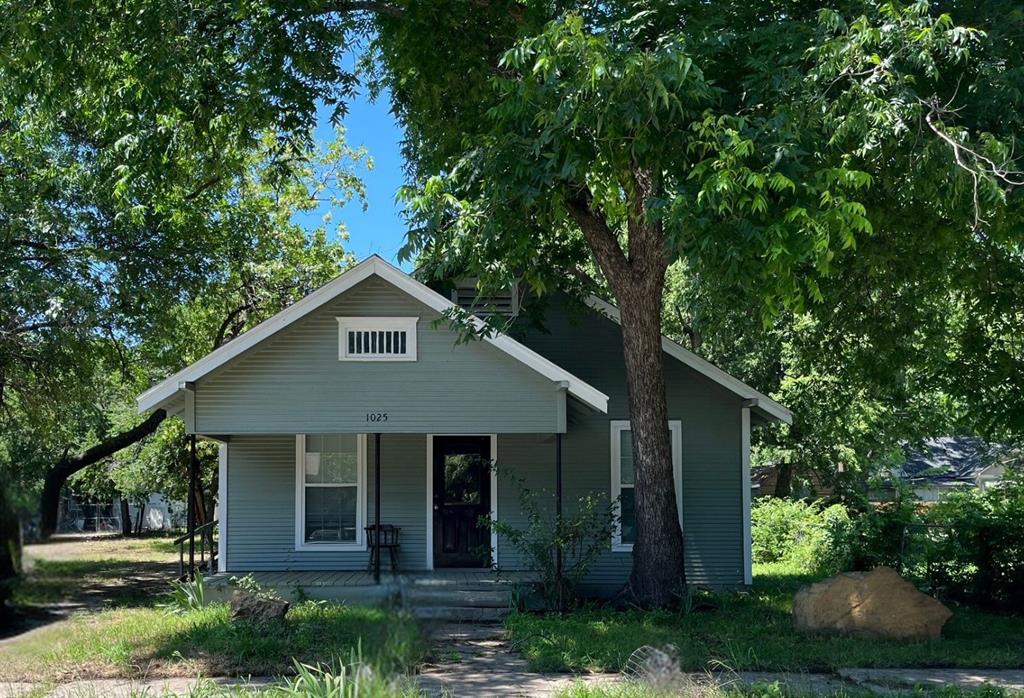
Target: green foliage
{"x":249,"y":585}
{"x":976,"y":555}
{"x":753,"y":631}
{"x":876,"y":535}
{"x":185,"y":596}
{"x":354,"y":679}
{"x":580,"y":535}
{"x":805,"y":535}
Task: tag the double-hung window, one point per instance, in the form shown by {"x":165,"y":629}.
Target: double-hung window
{"x":623,"y":483}
{"x":331,"y":495}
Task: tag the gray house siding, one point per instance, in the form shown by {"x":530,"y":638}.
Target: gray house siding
{"x":293,"y":382}
{"x":261,"y":467}
{"x":261,"y":504}
{"x":589,"y":345}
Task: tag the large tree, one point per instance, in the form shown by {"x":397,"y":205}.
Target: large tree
{"x":743,"y":138}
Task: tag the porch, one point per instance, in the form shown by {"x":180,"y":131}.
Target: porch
{"x":446,"y":594}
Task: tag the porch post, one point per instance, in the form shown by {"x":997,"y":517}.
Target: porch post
{"x":376,"y":511}
{"x":558,"y":500}
{"x":192,"y":477}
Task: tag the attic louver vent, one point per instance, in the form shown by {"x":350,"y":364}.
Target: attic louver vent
{"x":377,"y":339}
{"x":467,"y":296}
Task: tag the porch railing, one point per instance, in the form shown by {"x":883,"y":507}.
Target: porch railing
{"x":202,"y":562}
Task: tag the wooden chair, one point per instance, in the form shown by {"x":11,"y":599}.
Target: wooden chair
{"x":388,"y":539}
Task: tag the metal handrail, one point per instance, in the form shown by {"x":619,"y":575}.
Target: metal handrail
{"x":205,"y":533}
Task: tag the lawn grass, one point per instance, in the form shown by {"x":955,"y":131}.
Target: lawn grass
{"x":151,"y":642}
{"x":104,"y":571}
{"x":753,"y":631}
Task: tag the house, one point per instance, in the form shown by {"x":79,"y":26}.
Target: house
{"x":360,"y":399}
{"x":939,"y":464}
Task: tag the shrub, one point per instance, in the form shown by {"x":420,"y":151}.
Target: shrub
{"x":803,"y":534}
{"x":185,"y":596}
{"x":875,"y":535}
{"x":978,"y":554}
{"x":580,"y":536}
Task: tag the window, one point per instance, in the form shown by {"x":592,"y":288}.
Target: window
{"x":331,"y":495}
{"x":377,"y":338}
{"x":622,"y":479}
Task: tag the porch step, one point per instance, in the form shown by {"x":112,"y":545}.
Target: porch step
{"x":428,"y":597}
{"x":460,"y":614}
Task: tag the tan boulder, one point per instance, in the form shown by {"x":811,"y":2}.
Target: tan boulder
{"x":879,"y":603}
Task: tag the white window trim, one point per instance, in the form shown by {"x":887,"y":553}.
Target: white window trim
{"x":676,"y":434}
{"x":359,"y":544}
{"x":404,"y":324}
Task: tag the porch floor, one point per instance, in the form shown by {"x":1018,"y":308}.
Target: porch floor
{"x":357,"y":586}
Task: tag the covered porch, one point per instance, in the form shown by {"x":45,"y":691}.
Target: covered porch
{"x":425,"y":492}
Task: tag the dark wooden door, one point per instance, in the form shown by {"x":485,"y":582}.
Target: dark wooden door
{"x":462,"y":494}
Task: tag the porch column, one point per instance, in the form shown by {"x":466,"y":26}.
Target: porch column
{"x":193,"y":469}
{"x":558,"y":500}
{"x":376,"y":512}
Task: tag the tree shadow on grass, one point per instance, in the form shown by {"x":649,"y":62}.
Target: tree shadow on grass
{"x":314,"y":633}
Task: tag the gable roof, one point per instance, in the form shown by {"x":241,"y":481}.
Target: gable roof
{"x":167,"y":391}
{"x":953,"y":459}
{"x":759,"y":402}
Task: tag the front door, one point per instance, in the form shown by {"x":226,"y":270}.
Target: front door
{"x":462,"y":495}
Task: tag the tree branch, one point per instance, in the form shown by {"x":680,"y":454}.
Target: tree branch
{"x":375,"y":7}
{"x":602,"y":240}
{"x":68,"y":465}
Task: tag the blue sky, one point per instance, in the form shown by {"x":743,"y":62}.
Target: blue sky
{"x":380,"y":229}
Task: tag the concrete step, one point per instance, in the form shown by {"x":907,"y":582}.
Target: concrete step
{"x":487,"y":598}
{"x":460,"y":614}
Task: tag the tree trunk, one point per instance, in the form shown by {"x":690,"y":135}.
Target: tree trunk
{"x":784,"y":482}
{"x":658,"y":578}
{"x":71,"y":464}
{"x":139,"y":518}
{"x":126,"y":519}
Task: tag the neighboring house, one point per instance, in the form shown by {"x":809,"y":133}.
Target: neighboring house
{"x":79,"y":516}
{"x":300,"y":404}
{"x":950,"y":461}
{"x":763,"y":480}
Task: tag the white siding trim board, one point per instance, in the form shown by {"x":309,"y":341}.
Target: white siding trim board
{"x":222,"y":505}
{"x":748,"y":571}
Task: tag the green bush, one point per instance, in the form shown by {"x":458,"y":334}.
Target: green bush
{"x":800,"y":533}
{"x":580,"y":535}
{"x":977,"y":555}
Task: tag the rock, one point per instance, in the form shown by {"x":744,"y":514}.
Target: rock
{"x":879,"y":603}
{"x":258,"y":609}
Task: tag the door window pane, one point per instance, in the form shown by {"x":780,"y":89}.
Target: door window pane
{"x":463,"y":478}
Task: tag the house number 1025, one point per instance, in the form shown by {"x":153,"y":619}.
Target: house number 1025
{"x":376,"y":416}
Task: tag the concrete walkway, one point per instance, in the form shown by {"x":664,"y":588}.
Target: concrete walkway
{"x":476,"y":660}
{"x":485,"y":667}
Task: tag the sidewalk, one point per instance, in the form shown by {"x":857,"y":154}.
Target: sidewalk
{"x":485,"y":668}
